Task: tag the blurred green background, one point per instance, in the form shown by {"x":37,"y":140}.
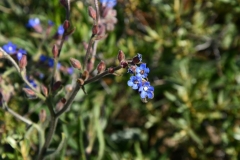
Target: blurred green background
{"x":192,"y":49}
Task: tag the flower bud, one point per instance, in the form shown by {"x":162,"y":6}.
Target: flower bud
{"x":137,"y":59}
{"x":111,"y":70}
{"x":42,"y":115}
{"x":124,"y":64}
{"x":66,"y":25}
{"x":121,"y":56}
{"x":55,"y":51}
{"x":85,"y":75}
{"x":57,"y":86}
{"x":80,"y":81}
{"x":23,"y":61}
{"x":44,"y":90}
{"x":75,"y":63}
{"x":92,"y":13}
{"x":95,"y":29}
{"x":63,"y":100}
{"x":30,"y":93}
{"x":101,"y":67}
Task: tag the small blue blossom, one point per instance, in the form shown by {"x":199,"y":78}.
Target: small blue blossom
{"x":142,"y":70}
{"x":43,"y":58}
{"x":50,"y":62}
{"x":60,"y":30}
{"x":134,"y":82}
{"x":109,"y":3}
{"x":33,"y":22}
{"x":70,"y":70}
{"x":32,"y":82}
{"x":146,"y":91}
{"x":20,"y":53}
{"x":10,"y":48}
{"x":50,"y":23}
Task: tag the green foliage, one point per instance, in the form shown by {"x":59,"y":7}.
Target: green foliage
{"x":192,"y":49}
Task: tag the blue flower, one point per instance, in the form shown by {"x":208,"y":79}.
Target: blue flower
{"x":146,"y":90}
{"x":134,"y":82}
{"x":50,"y":23}
{"x":70,"y":70}
{"x":43,"y":58}
{"x":20,"y":53}
{"x":33,"y":22}
{"x":32,"y":82}
{"x":109,"y":3}
{"x":60,"y":30}
{"x":142,"y":70}
{"x":10,"y":48}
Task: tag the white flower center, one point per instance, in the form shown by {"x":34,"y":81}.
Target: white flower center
{"x":10,"y":48}
{"x":145,"y":88}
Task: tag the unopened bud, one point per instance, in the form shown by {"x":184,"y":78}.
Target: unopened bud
{"x":55,"y":51}
{"x":85,"y":75}
{"x":95,"y":29}
{"x":101,"y":67}
{"x":30,"y":93}
{"x":44,"y":90}
{"x":57,"y":86}
{"x":92,"y":13}
{"x":80,"y":81}
{"x":75,"y":63}
{"x":63,"y":100}
{"x":66,"y":25}
{"x":111,"y":70}
{"x":42,"y":115}
{"x":124,"y":64}
{"x":23,"y":61}
{"x":137,"y":59}
{"x":121,"y":56}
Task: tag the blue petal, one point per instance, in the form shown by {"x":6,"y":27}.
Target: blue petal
{"x":143,"y":94}
{"x":150,"y":95}
{"x":130,"y":83}
{"x":135,"y":86}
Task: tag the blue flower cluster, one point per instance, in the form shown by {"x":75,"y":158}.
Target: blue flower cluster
{"x":50,"y":63}
{"x":12,"y":49}
{"x":138,"y":80}
{"x":109,"y":3}
{"x":36,"y":24}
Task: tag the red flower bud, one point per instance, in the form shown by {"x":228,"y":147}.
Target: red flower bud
{"x":101,"y":67}
{"x":80,"y":81}
{"x":75,"y":63}
{"x":111,"y":70}
{"x":30,"y":93}
{"x":57,"y":86}
{"x":23,"y":61}
{"x":42,"y":115}
{"x":124,"y":64}
{"x":92,"y":13}
{"x":95,"y":30}
{"x":55,"y":51}
{"x":66,"y":25}
{"x":121,"y":56}
{"x":44,"y":90}
{"x":85,"y":75}
{"x":63,"y":100}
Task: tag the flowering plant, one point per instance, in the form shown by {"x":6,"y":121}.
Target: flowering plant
{"x":104,"y":19}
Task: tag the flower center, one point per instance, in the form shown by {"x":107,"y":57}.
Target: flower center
{"x":10,"y":48}
{"x":136,"y":82}
{"x":142,"y":72}
{"x":145,"y":88}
